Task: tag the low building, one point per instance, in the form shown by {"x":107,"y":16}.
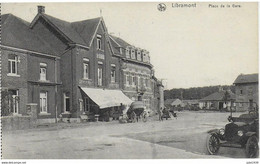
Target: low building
{"x":246,"y":86}
{"x":221,"y":100}
{"x":169,"y":103}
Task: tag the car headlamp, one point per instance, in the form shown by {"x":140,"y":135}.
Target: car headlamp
{"x":240,"y":133}
{"x":221,"y":131}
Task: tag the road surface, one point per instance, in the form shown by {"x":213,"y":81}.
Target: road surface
{"x":180,"y":138}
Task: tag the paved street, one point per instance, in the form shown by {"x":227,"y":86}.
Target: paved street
{"x":184,"y":138}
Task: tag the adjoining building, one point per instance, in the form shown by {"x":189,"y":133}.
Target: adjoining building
{"x":70,"y":69}
{"x":246,"y":86}
{"x":221,"y":100}
{"x":137,"y":72}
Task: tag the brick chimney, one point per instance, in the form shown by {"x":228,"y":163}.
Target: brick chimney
{"x":41,"y":9}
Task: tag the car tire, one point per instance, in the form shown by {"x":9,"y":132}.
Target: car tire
{"x":213,"y":144}
{"x":252,"y":149}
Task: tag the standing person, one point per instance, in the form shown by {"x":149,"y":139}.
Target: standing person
{"x":160,"y":114}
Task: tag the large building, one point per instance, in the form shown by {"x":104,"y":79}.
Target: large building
{"x":246,"y":91}
{"x":71,"y":68}
{"x":137,"y":73}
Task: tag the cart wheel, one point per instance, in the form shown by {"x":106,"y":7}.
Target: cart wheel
{"x":252,"y":149}
{"x":212,"y":144}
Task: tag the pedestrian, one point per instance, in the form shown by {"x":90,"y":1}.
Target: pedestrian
{"x":160,"y":114}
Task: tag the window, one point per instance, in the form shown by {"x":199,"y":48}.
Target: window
{"x":12,"y":64}
{"x":13,"y":101}
{"x":100,"y":74}
{"x":130,"y":79}
{"x":127,"y":79}
{"x":139,"y":55}
{"x":87,"y":105}
{"x":43,"y":102}
{"x":132,"y":54}
{"x":99,"y":42}
{"x":80,"y":104}
{"x":85,"y":68}
{"x":66,"y":102}
{"x":134,"y":80}
{"x":113,"y":73}
{"x":144,"y":57}
{"x":127,"y":53}
{"x":241,"y":91}
{"x":43,"y":71}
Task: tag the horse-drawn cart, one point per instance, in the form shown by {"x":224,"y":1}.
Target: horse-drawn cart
{"x":137,"y":112}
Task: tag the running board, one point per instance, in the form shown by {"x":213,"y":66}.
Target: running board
{"x":231,"y":145}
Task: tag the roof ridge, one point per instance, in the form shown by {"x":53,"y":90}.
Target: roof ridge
{"x":16,"y":17}
{"x":86,"y":20}
{"x":44,"y":14}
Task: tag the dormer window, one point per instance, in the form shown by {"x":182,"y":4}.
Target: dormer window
{"x":120,"y":50}
{"x":144,"y":57}
{"x":148,"y":58}
{"x":139,"y":56}
{"x":127,"y":52}
{"x":99,"y":43}
{"x":132,"y":54}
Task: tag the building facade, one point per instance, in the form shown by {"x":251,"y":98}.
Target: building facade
{"x":55,"y":64}
{"x":246,"y":86}
{"x":221,"y":100}
{"x":137,"y":72}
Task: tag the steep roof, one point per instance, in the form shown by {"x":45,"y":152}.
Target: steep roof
{"x":172,"y":102}
{"x":169,"y":101}
{"x":248,"y":78}
{"x":17,"y":33}
{"x":218,"y":96}
{"x":86,"y":29}
{"x":66,"y":28}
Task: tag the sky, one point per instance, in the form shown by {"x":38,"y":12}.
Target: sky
{"x":189,"y":47}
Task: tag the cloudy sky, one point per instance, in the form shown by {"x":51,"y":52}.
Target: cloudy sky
{"x":189,"y":47}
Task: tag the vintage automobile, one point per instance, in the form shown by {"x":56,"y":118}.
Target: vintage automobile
{"x":241,"y":132}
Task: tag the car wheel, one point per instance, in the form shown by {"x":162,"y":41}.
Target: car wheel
{"x":212,"y":144}
{"x":252,"y":149}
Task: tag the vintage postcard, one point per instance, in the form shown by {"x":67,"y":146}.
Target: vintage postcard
{"x":129,"y":80}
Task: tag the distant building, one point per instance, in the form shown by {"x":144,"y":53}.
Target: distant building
{"x":173,"y":103}
{"x":217,"y":100}
{"x":246,"y":91}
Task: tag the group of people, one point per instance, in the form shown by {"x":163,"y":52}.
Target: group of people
{"x":165,"y":113}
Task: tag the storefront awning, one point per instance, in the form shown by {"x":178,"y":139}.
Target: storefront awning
{"x":105,"y":98}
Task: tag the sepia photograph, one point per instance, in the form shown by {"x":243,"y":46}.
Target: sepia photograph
{"x":129,"y":80}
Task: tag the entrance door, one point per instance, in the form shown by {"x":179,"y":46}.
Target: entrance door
{"x":13,"y":101}
{"x":220,"y":105}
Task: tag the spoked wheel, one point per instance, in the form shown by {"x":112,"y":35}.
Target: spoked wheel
{"x":212,"y":144}
{"x":252,"y":149}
